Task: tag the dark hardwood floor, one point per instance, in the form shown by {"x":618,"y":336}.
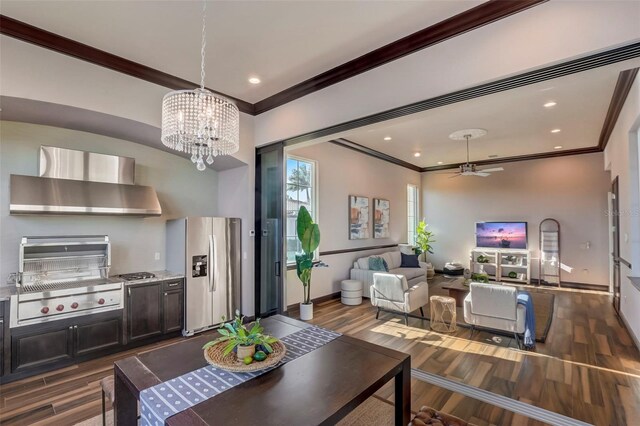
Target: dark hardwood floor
{"x":588,"y":368}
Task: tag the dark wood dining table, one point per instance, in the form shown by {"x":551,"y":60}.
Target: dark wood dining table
{"x":318,"y":388}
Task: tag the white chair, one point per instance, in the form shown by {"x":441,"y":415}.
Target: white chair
{"x":495,"y":307}
{"x":392,"y":293}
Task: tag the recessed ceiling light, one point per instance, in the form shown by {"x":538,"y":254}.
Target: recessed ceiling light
{"x":416,"y":154}
{"x":557,"y":147}
{"x":387,"y":138}
{"x":440,"y":162}
{"x":556,"y":131}
{"x":550,"y":104}
{"x":493,"y":156}
{"x":254,"y":80}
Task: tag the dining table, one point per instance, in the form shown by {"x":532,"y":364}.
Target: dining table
{"x":318,"y":388}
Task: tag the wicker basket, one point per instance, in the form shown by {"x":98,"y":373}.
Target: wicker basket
{"x":230,"y":362}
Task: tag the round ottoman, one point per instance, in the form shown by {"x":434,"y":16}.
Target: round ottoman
{"x":351,"y":292}
{"x":443,"y":314}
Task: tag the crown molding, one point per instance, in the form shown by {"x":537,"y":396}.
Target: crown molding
{"x":620,"y":93}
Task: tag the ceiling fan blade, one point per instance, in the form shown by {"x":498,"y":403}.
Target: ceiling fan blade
{"x":495,"y":169}
{"x":482,"y":174}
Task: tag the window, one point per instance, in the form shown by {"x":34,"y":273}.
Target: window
{"x":300,"y":191}
{"x":412,"y":213}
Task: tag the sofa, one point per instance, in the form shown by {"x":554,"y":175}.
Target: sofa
{"x":361,"y":271}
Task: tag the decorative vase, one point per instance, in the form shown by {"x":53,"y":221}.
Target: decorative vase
{"x":245,"y":351}
{"x":422,"y":257}
{"x":306,"y":311}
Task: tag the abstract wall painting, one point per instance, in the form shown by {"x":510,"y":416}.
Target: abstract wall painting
{"x":358,"y":217}
{"x":381,"y":218}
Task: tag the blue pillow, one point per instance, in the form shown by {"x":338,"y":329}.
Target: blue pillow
{"x":409,"y":261}
{"x":378,"y":264}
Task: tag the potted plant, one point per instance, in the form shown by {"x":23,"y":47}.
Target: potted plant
{"x":243,"y":338}
{"x":309,"y":236}
{"x":424,"y":238}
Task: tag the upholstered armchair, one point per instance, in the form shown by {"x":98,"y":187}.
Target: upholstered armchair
{"x":391,"y":292}
{"x":494,"y":306}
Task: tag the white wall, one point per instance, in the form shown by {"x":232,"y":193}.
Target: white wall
{"x":621,"y":158}
{"x":572,"y":190}
{"x":343,"y":172}
{"x":545,"y":34}
{"x":182,"y":191}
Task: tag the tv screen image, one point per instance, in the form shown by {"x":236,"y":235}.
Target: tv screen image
{"x":507,"y":235}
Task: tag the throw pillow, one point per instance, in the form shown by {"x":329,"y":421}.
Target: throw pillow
{"x":409,"y":261}
{"x":378,"y":264}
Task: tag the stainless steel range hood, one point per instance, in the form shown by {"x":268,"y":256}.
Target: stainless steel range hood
{"x":79,"y":182}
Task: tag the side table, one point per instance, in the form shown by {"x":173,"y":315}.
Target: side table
{"x":351,"y":292}
{"x":443,"y":314}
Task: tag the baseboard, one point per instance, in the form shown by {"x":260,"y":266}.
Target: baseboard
{"x":579,"y":286}
{"x":318,"y":300}
{"x":630,"y":330}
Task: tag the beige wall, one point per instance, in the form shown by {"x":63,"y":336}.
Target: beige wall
{"x":572,"y":190}
{"x":343,"y":172}
{"x":622,"y":158}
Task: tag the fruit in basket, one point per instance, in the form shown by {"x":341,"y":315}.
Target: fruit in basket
{"x":259,"y":356}
{"x":512,"y":275}
{"x":247,"y":360}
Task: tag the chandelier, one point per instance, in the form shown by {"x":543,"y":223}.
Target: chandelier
{"x":200,"y":122}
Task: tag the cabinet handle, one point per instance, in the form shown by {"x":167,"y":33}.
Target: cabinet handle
{"x":173,"y":284}
{"x":70,"y":327}
{"x":166,"y":294}
{"x":75,"y":327}
{"x":129,"y":291}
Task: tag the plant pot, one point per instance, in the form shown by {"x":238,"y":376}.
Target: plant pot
{"x":306,"y":311}
{"x":245,"y":351}
{"x":422,"y":257}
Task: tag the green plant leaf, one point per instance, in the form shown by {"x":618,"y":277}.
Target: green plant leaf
{"x":267,"y":346}
{"x":303,"y":222}
{"x":229,"y":348}
{"x":311,"y":238}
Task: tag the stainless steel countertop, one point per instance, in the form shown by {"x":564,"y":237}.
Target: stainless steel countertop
{"x":159,"y":276}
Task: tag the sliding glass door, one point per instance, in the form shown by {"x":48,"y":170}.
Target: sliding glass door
{"x":269,"y":264}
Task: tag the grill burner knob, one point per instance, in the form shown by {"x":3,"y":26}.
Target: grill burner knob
{"x":101,"y":302}
{"x":44,"y":310}
{"x":59,"y":307}
{"x":74,"y":305}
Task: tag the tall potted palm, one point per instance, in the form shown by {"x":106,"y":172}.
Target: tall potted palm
{"x":309,"y":236}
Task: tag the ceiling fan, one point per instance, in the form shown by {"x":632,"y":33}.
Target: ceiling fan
{"x":470,"y":169}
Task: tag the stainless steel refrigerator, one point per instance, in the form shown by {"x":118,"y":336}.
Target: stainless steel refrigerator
{"x":207,"y":251}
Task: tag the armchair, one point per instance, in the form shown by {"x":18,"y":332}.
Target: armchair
{"x":392,"y":293}
{"x":496,"y":307}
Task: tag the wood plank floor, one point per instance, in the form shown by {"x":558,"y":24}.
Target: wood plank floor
{"x":588,"y":368}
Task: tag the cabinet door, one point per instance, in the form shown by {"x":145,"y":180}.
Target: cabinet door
{"x":173,"y":311}
{"x":96,"y":337}
{"x":41,"y":348}
{"x":144,"y":304}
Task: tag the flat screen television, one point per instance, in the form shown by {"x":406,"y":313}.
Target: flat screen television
{"x":506,"y":235}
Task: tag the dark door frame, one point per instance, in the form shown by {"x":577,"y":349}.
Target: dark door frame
{"x":615,"y":223}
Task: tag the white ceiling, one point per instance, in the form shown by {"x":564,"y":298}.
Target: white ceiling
{"x":282,"y":42}
{"x":516,"y":120}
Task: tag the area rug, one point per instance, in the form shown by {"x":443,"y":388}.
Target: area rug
{"x":543,"y":306}
{"x":374,"y":411}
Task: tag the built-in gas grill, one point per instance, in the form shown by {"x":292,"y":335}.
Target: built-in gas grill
{"x":61,"y":277}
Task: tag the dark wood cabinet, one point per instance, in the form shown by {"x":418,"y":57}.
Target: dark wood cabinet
{"x":144,"y":311}
{"x":34,"y":347}
{"x":172,"y":311}
{"x":56,"y":344}
{"x":98,"y":336}
{"x":154,"y":309}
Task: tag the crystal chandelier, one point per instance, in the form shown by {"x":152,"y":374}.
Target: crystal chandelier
{"x":200,"y":122}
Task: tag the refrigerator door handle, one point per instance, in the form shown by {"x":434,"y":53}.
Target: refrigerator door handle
{"x":212,"y":256}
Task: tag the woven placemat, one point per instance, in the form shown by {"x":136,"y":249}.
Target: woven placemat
{"x":230,"y":362}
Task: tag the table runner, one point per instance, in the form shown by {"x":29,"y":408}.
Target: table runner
{"x":164,"y":400}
